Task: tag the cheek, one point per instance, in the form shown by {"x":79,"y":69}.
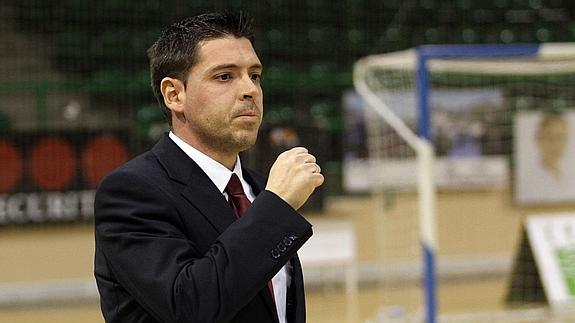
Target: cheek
{"x":212,"y":111}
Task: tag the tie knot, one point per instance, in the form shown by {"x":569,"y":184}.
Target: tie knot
{"x":234,"y":186}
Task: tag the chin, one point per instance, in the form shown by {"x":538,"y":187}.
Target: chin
{"x":246,"y":142}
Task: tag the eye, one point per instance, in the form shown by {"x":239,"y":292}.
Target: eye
{"x":256,"y":77}
{"x":223,"y":77}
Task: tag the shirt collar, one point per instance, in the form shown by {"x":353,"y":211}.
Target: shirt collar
{"x":217,"y":172}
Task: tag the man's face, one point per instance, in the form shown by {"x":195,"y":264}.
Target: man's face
{"x":224,"y":99}
{"x":552,"y":139}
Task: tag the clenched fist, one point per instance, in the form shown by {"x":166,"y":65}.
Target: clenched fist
{"x":294,"y":176}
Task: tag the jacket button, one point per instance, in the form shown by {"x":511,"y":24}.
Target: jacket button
{"x":282,"y":247}
{"x":292,"y":238}
{"x":275,"y":254}
{"x":287,"y":241}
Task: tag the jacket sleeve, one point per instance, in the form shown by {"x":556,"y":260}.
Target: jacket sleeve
{"x":140,"y":237}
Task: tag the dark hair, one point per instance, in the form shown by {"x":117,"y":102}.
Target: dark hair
{"x":176,"y":50}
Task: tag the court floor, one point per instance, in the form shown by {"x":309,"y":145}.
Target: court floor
{"x":473,"y":224}
{"x":323,"y":305}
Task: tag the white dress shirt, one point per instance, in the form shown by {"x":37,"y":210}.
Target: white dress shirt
{"x":220,"y":176}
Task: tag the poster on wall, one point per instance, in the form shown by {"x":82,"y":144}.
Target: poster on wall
{"x":544,"y":158}
{"x":470,"y":141}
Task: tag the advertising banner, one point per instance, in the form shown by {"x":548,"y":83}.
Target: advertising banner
{"x":52,"y":177}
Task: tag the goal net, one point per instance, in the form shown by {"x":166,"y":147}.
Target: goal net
{"x":442,"y":156}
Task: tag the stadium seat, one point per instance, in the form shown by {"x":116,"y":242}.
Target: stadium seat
{"x":5,"y":123}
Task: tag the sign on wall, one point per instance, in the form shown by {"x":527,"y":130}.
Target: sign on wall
{"x":52,"y":177}
{"x":544,"y":157}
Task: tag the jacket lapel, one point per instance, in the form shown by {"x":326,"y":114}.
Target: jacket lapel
{"x":258,"y":182}
{"x":295,"y":303}
{"x":200,"y":191}
{"x":211,"y":203}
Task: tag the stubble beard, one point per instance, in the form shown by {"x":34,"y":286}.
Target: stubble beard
{"x":229,"y":142}
{"x":241,"y":142}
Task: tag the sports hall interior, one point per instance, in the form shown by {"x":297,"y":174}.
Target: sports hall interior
{"x":75,"y":102}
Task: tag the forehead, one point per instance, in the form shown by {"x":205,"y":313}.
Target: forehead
{"x":227,"y":50}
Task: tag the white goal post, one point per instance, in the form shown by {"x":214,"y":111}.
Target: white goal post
{"x":381,"y":79}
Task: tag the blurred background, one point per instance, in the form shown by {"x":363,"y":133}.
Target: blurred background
{"x":75,"y":102}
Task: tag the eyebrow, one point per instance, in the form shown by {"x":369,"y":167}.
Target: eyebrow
{"x":227,"y":66}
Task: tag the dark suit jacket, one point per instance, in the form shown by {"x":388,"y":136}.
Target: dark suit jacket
{"x":169,"y":247}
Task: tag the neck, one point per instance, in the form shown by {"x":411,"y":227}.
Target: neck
{"x":228,"y":161}
{"x":226,"y":158}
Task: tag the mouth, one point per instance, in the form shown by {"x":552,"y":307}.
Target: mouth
{"x":251,"y":118}
{"x":248,"y":112}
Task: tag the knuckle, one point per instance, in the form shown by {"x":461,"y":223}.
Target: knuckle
{"x":282,"y":155}
{"x":300,"y":149}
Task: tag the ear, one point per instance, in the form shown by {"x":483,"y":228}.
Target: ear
{"x":174,"y":94}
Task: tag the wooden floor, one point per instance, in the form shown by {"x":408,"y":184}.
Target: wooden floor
{"x":323,"y":306}
{"x":470,"y":225}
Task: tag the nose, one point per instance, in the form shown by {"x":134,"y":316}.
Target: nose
{"x":249,"y":88}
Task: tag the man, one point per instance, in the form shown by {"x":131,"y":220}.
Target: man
{"x":551,"y":138}
{"x":173,"y":244}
